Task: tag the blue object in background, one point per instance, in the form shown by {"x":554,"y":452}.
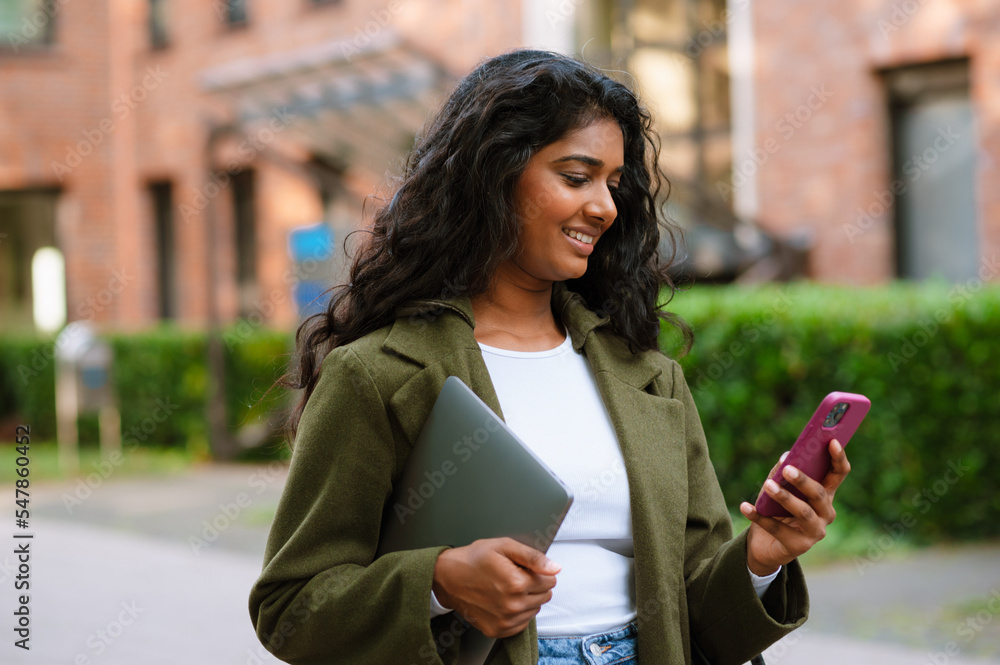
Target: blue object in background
{"x":311,"y":249}
{"x":94,"y":377}
{"x":311,"y":242}
{"x":309,"y":297}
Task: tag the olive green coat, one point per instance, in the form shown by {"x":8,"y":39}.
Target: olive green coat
{"x":321,"y":597}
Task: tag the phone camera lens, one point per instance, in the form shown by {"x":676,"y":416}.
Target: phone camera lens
{"x":836,"y":414}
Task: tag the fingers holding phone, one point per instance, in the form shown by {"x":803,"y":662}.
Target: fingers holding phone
{"x":795,"y":505}
{"x":813,"y":496}
{"x":837,"y":418}
{"x":775,"y":541}
{"x":841,"y":466}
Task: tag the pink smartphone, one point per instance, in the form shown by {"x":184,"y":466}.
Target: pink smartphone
{"x":837,"y":417}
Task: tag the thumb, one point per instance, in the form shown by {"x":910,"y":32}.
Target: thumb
{"x":528,"y":557}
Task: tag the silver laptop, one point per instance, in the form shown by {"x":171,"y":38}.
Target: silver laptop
{"x":469,"y":477}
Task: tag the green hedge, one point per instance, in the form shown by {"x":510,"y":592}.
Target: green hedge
{"x":162,"y":383}
{"x":928,"y":357}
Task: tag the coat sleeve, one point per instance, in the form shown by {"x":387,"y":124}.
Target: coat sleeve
{"x":322,"y":597}
{"x":729,"y":624}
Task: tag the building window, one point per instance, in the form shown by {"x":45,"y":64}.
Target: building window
{"x":158,"y":23}
{"x":934,"y":172}
{"x":161,"y":194}
{"x":678,"y":52}
{"x":26,"y":24}
{"x":235,"y":12}
{"x":245,"y":228}
{"x":27,"y":225}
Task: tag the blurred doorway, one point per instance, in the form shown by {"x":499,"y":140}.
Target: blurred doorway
{"x":27,"y":224}
{"x":934,"y":155}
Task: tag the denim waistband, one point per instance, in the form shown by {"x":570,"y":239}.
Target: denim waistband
{"x":616,"y":646}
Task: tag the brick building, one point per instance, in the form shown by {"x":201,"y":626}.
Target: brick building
{"x":880,"y":129}
{"x":169,"y":148}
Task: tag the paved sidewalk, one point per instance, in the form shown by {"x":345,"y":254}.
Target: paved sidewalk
{"x":105,"y":597}
{"x":157,"y":570}
{"x":944,"y":599}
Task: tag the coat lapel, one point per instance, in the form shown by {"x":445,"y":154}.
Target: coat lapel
{"x":650,"y":429}
{"x":438,"y":337}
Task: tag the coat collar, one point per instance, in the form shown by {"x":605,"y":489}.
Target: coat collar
{"x":421,"y":325}
{"x":412,"y":342}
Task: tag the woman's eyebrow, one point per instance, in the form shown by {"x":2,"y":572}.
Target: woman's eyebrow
{"x":586,"y":159}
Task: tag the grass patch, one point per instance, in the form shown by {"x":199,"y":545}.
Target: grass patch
{"x":44,"y":462}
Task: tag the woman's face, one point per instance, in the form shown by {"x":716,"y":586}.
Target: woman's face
{"x":564,"y":201}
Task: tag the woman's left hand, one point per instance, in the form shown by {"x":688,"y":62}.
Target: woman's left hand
{"x":773,"y":542}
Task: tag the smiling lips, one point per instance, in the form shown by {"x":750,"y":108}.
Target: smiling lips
{"x":579,"y":236}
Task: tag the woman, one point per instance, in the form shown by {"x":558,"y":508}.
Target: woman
{"x":519,"y":253}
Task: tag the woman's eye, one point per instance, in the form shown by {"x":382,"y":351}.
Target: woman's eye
{"x":575,"y":179}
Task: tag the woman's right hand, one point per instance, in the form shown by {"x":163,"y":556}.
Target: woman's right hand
{"x":496,"y":584}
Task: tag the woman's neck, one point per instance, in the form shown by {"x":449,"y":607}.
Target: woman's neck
{"x":517,"y":316}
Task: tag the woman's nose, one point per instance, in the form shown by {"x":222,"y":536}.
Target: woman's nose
{"x":602,"y":207}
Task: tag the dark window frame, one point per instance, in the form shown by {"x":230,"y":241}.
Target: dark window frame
{"x":243,"y":185}
{"x":236,"y":14}
{"x":162,"y":200}
{"x":904,"y":88}
{"x":702,"y":37}
{"x":50,"y":8}
{"x":159,"y":32}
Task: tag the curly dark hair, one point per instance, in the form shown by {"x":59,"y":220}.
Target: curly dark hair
{"x":452,"y":220}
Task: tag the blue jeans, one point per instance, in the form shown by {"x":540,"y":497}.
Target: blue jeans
{"x":614,"y":647}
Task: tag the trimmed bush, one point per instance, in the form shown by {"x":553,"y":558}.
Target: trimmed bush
{"x":27,"y":384}
{"x":926,"y":356}
{"x":162,"y":381}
